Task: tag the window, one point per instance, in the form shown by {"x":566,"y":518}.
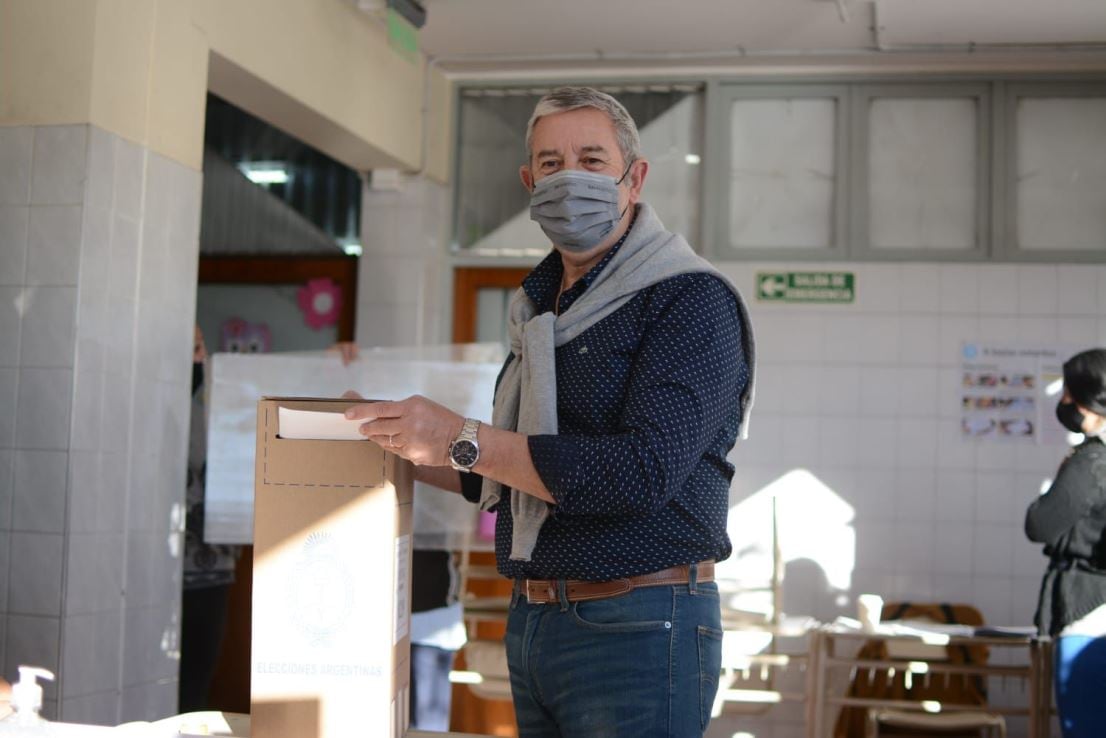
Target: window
{"x":906,"y":170}
{"x":866,"y":170}
{"x":1057,"y":169}
{"x":921,"y":179}
{"x":778,"y":170}
{"x":491,"y":214}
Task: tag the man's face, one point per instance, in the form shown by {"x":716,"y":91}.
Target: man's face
{"x":578,"y":139}
{"x":582,"y":139}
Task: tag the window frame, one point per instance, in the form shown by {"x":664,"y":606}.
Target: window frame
{"x":715,"y":202}
{"x":860,"y":242}
{"x":462,"y":255}
{"x":997,"y":96}
{"x":1006,"y":168}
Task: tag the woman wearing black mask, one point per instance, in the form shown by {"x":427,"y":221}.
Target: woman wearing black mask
{"x":1070,"y":519}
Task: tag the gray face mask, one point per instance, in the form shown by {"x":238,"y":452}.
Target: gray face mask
{"x":576,"y":209}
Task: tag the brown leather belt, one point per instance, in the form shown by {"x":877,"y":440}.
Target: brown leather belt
{"x":544,"y":591}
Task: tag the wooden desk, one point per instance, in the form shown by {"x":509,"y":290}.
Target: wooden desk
{"x":1035,"y":670}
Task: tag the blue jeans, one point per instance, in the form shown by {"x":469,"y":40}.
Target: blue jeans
{"x":641,"y":664}
{"x":1080,"y":673}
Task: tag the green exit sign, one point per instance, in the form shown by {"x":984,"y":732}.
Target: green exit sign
{"x":402,"y":36}
{"x":806,"y":286}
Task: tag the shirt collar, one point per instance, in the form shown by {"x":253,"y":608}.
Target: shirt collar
{"x":542,"y":284}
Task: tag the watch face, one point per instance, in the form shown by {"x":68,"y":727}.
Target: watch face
{"x":465,"y":453}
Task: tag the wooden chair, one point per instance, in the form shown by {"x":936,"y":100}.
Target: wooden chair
{"x":968,"y":693}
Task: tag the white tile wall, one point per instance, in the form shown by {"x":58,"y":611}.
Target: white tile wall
{"x":111,"y":514}
{"x":39,"y":484}
{"x":149,"y":701}
{"x":129,"y":177}
{"x":144,"y":663}
{"x":100,"y":170}
{"x":42,"y":417}
{"x":98,"y":259}
{"x":998,"y":290}
{"x":959,"y":288}
{"x":92,"y":709}
{"x":92,"y":652}
{"x":95,"y":573}
{"x":53,"y":245}
{"x":115,"y":423}
{"x":1078,"y":289}
{"x":16,"y":151}
{"x":7,"y":482}
{"x":8,"y":390}
{"x":87,"y":410}
{"x":1038,"y":290}
{"x":935,"y":515}
{"x":5,"y":551}
{"x":49,"y":323}
{"x":122,"y":280}
{"x":86,"y":493}
{"x":14,"y":221}
{"x":96,"y":235}
{"x":11,"y":300}
{"x":60,"y":158}
{"x":35,"y":579}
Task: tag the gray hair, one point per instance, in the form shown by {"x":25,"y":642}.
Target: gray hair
{"x":563,"y":99}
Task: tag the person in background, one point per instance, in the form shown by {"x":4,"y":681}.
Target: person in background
{"x":437,"y":626}
{"x":629,"y":380}
{"x":208,"y":568}
{"x":1070,"y":519}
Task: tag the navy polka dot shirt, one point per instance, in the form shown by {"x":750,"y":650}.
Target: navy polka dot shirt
{"x":647,"y":409}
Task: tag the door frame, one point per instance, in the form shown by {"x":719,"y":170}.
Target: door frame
{"x":467,"y":283}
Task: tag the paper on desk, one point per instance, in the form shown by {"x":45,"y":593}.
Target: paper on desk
{"x":305,"y":425}
{"x":928,"y":632}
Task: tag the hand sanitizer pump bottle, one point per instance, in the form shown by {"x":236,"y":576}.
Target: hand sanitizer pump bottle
{"x":26,"y":703}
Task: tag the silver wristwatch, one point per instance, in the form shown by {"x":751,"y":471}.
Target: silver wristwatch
{"x":464,"y":451}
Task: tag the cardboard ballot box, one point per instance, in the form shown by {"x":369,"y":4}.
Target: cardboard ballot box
{"x":332,"y":565}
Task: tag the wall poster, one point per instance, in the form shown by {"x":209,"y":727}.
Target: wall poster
{"x":1009,"y":392}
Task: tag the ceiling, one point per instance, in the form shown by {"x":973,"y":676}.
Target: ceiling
{"x":505,"y":34}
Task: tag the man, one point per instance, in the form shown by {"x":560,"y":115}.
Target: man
{"x":631,"y":373}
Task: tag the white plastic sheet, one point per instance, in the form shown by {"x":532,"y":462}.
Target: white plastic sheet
{"x":461,"y":377}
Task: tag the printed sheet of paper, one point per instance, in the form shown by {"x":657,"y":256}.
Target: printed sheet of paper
{"x":307,"y":425}
{"x":461,"y":377}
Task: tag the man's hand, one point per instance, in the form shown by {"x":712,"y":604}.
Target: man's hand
{"x":416,"y":429}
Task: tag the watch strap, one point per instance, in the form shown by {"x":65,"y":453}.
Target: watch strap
{"x":468,"y":430}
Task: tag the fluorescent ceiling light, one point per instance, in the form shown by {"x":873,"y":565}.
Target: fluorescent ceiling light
{"x":264,"y":172}
{"x":692,"y":159}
